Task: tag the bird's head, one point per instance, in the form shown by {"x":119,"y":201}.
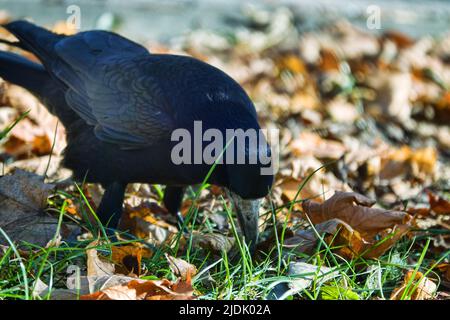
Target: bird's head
{"x":247,"y":187}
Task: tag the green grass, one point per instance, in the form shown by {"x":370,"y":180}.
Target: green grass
{"x":4,"y":133}
{"x":224,"y":276}
{"x":232,"y":275}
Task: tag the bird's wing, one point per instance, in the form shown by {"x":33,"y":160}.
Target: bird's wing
{"x":108,"y":88}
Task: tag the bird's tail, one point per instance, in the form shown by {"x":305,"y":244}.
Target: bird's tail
{"x":33,"y":77}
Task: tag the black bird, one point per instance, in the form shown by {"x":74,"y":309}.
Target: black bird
{"x":120,"y":105}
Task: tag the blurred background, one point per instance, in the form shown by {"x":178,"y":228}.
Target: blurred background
{"x":335,"y":78}
{"x":163,"y":20}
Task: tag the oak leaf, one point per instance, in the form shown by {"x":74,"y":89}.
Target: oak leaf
{"x":356,"y":210}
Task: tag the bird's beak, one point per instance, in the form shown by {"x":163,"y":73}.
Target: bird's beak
{"x":248,"y":217}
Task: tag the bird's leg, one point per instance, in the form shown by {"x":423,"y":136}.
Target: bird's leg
{"x":110,"y":209}
{"x":173,"y":198}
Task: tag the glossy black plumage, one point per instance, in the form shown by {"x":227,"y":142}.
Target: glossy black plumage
{"x":120,"y":104}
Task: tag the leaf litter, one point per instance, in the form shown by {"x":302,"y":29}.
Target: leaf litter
{"x":371,"y":111}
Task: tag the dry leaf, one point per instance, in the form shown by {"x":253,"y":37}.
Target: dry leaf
{"x":145,"y":290}
{"x":290,"y":187}
{"x":97,"y":265}
{"x":45,"y":165}
{"x":7,"y":117}
{"x":212,"y":241}
{"x":329,"y":61}
{"x":355,"y":209}
{"x":26,"y":137}
{"x":337,"y":233}
{"x":304,"y":274}
{"x":127,"y":259}
{"x":318,"y":187}
{"x":25,"y":188}
{"x":347,"y":241}
{"x":438,"y":205}
{"x":420,"y":288}
{"x":400,"y":39}
{"x":393,"y":90}
{"x":309,"y":143}
{"x":41,"y":290}
{"x":374,"y":249}
{"x":23,"y":196}
{"x":292,"y":63}
{"x":445,"y":269}
{"x":39,"y":121}
{"x":143,"y":222}
{"x":420,"y":163}
{"x":181,"y":268}
{"x":342,"y":111}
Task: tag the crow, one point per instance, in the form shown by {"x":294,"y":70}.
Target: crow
{"x":120,"y":105}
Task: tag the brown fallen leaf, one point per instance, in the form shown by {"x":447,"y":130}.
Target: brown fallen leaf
{"x":400,"y":39}
{"x":420,"y":287}
{"x":181,"y":268}
{"x":317,"y":187}
{"x":311,"y":143}
{"x":356,"y":210}
{"x":79,"y":208}
{"x":143,"y":221}
{"x":39,"y":121}
{"x":82,"y":285}
{"x":42,"y":145}
{"x":292,"y":63}
{"x":26,"y":188}
{"x":374,"y":249}
{"x":437,"y":204}
{"x":392,"y":95}
{"x":342,"y":111}
{"x":49,"y":165}
{"x":4,"y":17}
{"x":290,"y":187}
{"x":145,"y":290}
{"x":96,"y":264}
{"x":127,"y":259}
{"x":336,"y":232}
{"x":23,"y":197}
{"x":419,"y":212}
{"x":445,"y":269}
{"x":27,"y":138}
{"x":329,"y":60}
{"x":423,"y":162}
{"x":42,"y":291}
{"x":7,"y":117}
{"x":345,"y":240}
{"x":419,"y":163}
{"x":214,"y":242}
